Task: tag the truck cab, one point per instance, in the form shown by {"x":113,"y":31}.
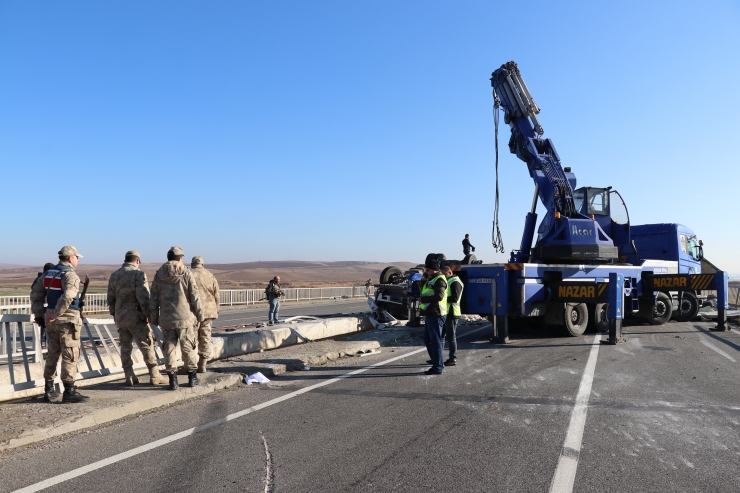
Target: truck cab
{"x":667,"y":241}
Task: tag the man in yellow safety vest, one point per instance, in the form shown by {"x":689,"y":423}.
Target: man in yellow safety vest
{"x":454,"y":295}
{"x":433,"y":306}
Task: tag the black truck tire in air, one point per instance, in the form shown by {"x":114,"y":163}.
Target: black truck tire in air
{"x":575,"y":319}
{"x":469,"y":259}
{"x":598,"y":317}
{"x":662,"y":310}
{"x":688,"y":307}
{"x":390,"y":274}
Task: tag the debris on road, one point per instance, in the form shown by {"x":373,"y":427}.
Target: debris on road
{"x":256,"y":378}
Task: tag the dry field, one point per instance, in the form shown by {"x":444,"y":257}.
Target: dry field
{"x":16,"y":280}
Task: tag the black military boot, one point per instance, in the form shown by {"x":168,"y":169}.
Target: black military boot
{"x":193,"y":379}
{"x":50,"y":392}
{"x":174,"y":385}
{"x":71,"y":396}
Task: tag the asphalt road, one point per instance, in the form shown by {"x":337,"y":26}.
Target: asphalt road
{"x":287,"y":309}
{"x":659,"y":413}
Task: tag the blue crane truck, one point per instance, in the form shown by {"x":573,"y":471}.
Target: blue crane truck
{"x":562,"y":280}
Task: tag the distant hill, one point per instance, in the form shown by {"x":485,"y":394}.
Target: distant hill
{"x":229,"y":276}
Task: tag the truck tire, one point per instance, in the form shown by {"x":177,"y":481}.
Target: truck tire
{"x":598,"y":317}
{"x":575,"y":319}
{"x":662,"y":310}
{"x":390,"y":275}
{"x":687,"y":308}
{"x":469,"y":259}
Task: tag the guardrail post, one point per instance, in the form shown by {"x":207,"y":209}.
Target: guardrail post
{"x":720,"y":281}
{"x":616,"y":310}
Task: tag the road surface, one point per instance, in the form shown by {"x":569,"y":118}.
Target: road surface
{"x":660,"y":413}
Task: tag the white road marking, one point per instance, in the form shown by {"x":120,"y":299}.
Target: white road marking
{"x":716,"y":349}
{"x":268,"y":466}
{"x":61,"y":478}
{"x":565,"y":473}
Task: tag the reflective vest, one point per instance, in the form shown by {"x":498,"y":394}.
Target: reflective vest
{"x":428,"y":290}
{"x":53,"y":285}
{"x":455,"y":307}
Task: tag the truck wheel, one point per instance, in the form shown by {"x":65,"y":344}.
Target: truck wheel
{"x":662,"y":310}
{"x":688,"y":308}
{"x":390,"y":275}
{"x":598,"y":317}
{"x":469,"y":259}
{"x":576,"y":319}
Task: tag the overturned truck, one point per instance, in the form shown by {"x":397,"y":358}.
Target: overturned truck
{"x":397,"y":288}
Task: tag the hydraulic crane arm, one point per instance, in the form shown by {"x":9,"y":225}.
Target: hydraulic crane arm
{"x":543,"y":162}
{"x":565,"y":233}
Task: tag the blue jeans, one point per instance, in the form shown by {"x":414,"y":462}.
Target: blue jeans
{"x":274,"y":308}
{"x":451,"y":335}
{"x":433,"y":326}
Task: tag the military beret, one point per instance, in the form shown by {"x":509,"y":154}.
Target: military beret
{"x":69,"y":251}
{"x":133,"y":253}
{"x":177,"y":251}
{"x":197,"y":260}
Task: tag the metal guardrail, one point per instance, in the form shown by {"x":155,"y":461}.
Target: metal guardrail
{"x":97,"y":302}
{"x":22,"y":361}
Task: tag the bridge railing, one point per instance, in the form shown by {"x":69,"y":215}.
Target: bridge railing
{"x":98,"y":302}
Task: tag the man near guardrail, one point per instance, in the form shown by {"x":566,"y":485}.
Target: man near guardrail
{"x":273,"y":293}
{"x":128,"y":302}
{"x":433,"y":306}
{"x":38,"y":300}
{"x":174,"y":305}
{"x":209,"y":301}
{"x":63,"y":324}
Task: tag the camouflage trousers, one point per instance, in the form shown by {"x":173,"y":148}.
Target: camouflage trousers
{"x":143,"y":337}
{"x":62,"y":339}
{"x":188,"y":339}
{"x":204,"y":339}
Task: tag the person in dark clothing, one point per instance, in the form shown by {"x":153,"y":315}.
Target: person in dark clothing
{"x":433,"y":306}
{"x":454,"y":295}
{"x":467,"y":246}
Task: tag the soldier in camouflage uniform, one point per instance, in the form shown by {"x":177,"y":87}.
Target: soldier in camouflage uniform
{"x":209,"y":300}
{"x":174,"y":305}
{"x":128,"y":302}
{"x":63,"y":319}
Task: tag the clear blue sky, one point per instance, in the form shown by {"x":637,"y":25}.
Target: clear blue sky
{"x":248,"y":130}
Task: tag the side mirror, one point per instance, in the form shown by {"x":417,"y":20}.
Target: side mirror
{"x":700,"y":253}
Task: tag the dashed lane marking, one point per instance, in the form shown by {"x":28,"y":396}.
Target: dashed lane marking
{"x":565,"y":473}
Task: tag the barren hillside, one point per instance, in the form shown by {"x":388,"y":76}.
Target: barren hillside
{"x":16,"y":280}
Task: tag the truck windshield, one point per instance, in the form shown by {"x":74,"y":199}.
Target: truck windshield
{"x":690,"y":245}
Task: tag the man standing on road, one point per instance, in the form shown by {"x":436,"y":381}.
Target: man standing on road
{"x":38,"y":298}
{"x":454,"y":295}
{"x":273,"y":293}
{"x":174,"y":305}
{"x":434,"y":308}
{"x":209,"y":300}
{"x":468,"y":248}
{"x":63,"y":324}
{"x":128,"y":302}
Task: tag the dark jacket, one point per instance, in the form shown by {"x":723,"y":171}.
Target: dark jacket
{"x":273,"y":290}
{"x":467,"y":246}
{"x":432,"y":301}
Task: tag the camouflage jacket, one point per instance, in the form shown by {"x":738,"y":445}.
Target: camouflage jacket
{"x":128,"y":296}
{"x":70,"y":287}
{"x":208,"y":291}
{"x":38,"y":297}
{"x":174,"y":302}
